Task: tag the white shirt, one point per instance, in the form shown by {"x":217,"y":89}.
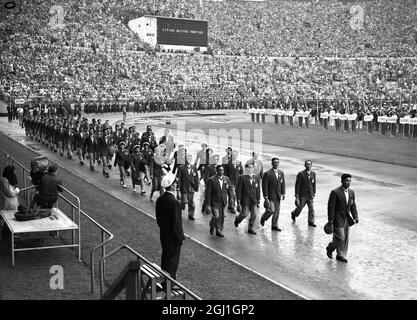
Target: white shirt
{"x":276,"y":173}
{"x":346,"y":192}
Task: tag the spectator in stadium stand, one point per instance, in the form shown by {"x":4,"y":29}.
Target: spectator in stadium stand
{"x":305,"y":191}
{"x":248,"y":193}
{"x":9,"y":190}
{"x":273,"y":189}
{"x":168,"y":217}
{"x":188,"y":184}
{"x":217,"y":187}
{"x":342,"y":214}
{"x":49,"y":188}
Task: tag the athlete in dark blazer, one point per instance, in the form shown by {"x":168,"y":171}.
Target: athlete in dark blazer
{"x":342,"y":213}
{"x":217,"y":187}
{"x":273,"y":189}
{"x":305,"y":191}
{"x":248,"y":193}
{"x":188,"y":183}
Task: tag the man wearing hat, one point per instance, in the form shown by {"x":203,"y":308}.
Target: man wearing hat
{"x":342,"y":213}
{"x":168,"y":217}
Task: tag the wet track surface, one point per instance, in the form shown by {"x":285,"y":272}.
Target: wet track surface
{"x":382,"y":255}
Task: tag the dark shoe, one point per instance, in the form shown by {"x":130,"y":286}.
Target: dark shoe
{"x":341,"y":259}
{"x":276,"y":229}
{"x":293,"y":216}
{"x":251,"y":232}
{"x":312,"y":224}
{"x":219,"y":234}
{"x":329,"y":252}
{"x":262,"y":222}
{"x":109,"y":166}
{"x":236,"y":223}
{"x":81,"y":163}
{"x":191,"y":218}
{"x":107,"y":175}
{"x":211,"y":230}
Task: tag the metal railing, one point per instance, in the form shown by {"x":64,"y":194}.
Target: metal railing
{"x":143,"y":261}
{"x":74,"y":208}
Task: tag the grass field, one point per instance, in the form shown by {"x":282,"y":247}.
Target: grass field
{"x":357,"y":145}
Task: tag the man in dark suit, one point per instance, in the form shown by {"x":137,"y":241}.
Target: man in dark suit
{"x":233,"y":170}
{"x":168,"y":217}
{"x":217,"y":200}
{"x":273,"y":189}
{"x":209,"y":171}
{"x":49,"y":187}
{"x":305,"y":191}
{"x":188,"y":184}
{"x":248,"y":192}
{"x":340,"y":207}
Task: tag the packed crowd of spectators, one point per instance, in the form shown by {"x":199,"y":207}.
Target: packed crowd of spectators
{"x":61,"y":74}
{"x":95,"y":57}
{"x":257,"y":28}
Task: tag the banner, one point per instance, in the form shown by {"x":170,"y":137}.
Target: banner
{"x":413,"y":121}
{"x":306,"y":114}
{"x":299,"y":114}
{"x":324,"y":115}
{"x":382,"y":119}
{"x":404,"y":120}
{"x":334,"y":116}
{"x":289,"y":113}
{"x":19,"y":101}
{"x":280,"y":112}
{"x":391,"y":120}
{"x":368,"y":118}
{"x":343,"y":117}
{"x":352,"y":117}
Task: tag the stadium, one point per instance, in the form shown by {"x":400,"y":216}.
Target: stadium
{"x":133,"y":101}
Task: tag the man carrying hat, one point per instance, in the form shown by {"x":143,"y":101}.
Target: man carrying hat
{"x":342,"y":213}
{"x":168,"y":217}
{"x":217,"y":187}
{"x":273,"y":189}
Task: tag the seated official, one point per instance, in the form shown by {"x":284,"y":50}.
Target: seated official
{"x":48,"y":189}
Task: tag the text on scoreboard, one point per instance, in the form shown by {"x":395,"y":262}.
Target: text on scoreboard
{"x":182,"y":32}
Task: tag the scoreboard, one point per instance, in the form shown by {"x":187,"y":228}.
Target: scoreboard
{"x":183,"y":32}
{"x":171,"y":33}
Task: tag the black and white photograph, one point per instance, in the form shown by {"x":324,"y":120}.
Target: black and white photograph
{"x":215,"y":153}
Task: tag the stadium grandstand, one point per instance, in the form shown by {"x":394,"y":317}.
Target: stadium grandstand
{"x":66,"y":64}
